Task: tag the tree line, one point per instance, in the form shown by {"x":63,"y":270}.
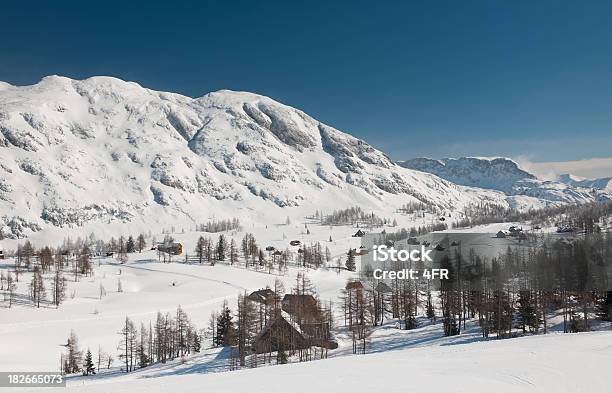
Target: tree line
{"x":169,"y":337}
{"x":514,"y":293}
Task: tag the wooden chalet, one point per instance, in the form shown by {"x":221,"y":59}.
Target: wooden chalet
{"x":354,"y":286}
{"x":515,"y":231}
{"x":284,"y":333}
{"x":305,"y":306}
{"x":262,"y":296}
{"x":359,"y":233}
{"x":173,"y":248}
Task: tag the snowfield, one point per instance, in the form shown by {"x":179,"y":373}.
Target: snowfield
{"x":554,"y":363}
{"x":149,"y":286}
{"x":397,"y":359}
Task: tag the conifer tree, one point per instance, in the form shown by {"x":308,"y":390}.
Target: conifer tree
{"x":130,"y":246}
{"x":526,"y":312}
{"x":350,"y":260}
{"x":261,"y":258}
{"x":86,"y":267}
{"x":197,"y":344}
{"x":221,"y":248}
{"x":141,"y":242}
{"x":88,"y":366}
{"x":200,"y":249}
{"x":225,"y":328}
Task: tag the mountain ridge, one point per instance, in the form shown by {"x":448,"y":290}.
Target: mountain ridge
{"x":101,"y":152}
{"x":502,"y":174}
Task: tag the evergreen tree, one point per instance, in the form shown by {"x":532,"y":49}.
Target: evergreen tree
{"x":88,"y":366}
{"x":197,"y":344}
{"x":200,"y":249}
{"x":350,"y":260}
{"x":225,"y":328}
{"x":526,"y":312}
{"x":261,"y":258}
{"x":130,"y":246}
{"x":46,"y":258}
{"x":221,"y":248}
{"x":141,"y":242}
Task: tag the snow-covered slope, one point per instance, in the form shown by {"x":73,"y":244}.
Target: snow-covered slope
{"x":104,"y":151}
{"x":544,"y":364}
{"x":603,"y":184}
{"x":500,"y":174}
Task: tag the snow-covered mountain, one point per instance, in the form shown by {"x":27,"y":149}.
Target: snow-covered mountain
{"x":103,"y":152}
{"x":501,"y":174}
{"x":106,"y":151}
{"x":603,"y":184}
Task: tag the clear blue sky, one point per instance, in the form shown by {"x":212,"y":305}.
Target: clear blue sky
{"x":428,"y":78}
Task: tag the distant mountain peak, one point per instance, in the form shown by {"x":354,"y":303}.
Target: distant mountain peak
{"x":603,"y":184}
{"x":493,"y":173}
{"x":498,"y":173}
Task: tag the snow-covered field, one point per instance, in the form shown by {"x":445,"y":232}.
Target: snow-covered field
{"x":553,"y":363}
{"x":31,"y":339}
{"x":149,"y":286}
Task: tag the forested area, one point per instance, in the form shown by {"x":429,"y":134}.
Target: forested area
{"x":583,"y":217}
{"x":514,"y":293}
